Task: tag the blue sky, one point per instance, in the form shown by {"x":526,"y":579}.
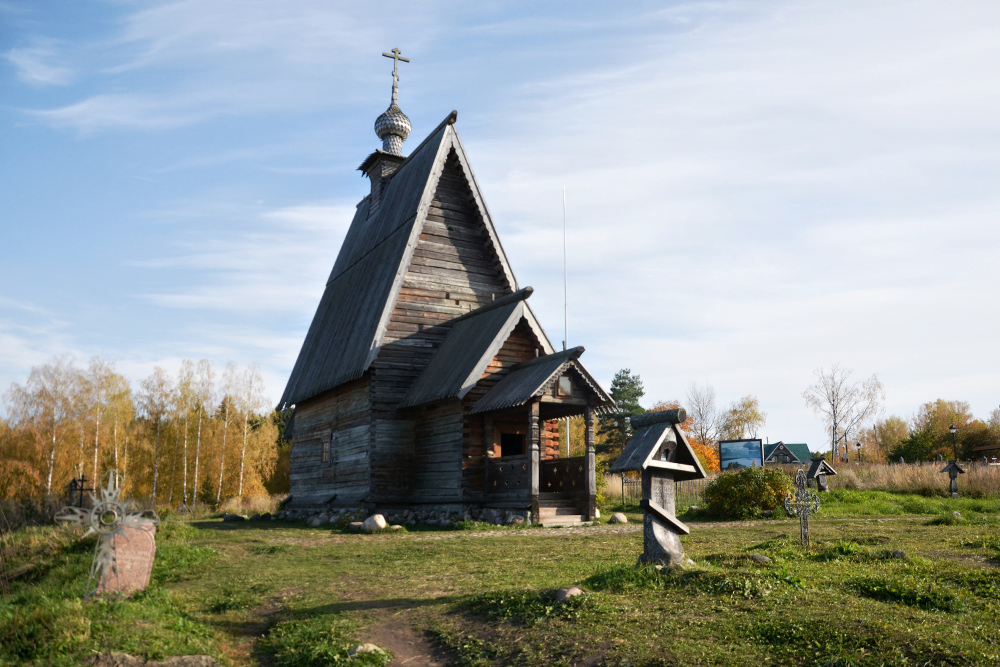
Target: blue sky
{"x":755,"y":189}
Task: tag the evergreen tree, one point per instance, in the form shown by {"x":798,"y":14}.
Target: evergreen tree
{"x":626,"y":389}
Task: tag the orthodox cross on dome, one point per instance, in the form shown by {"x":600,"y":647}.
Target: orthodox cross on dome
{"x":802,"y":503}
{"x":395,"y":71}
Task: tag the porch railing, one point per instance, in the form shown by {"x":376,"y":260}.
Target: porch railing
{"x":508,"y":478}
{"x":564,"y":475}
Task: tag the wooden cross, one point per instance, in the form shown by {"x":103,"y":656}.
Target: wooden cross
{"x":802,"y":503}
{"x":395,"y":73}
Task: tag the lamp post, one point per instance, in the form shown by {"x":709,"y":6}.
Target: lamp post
{"x":857,"y":446}
{"x":954,"y":441}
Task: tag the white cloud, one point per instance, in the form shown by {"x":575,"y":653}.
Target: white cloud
{"x":40,"y":65}
{"x":276,"y":262}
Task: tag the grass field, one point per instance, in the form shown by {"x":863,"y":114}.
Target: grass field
{"x":274,"y":593}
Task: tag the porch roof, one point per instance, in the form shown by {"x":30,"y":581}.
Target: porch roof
{"x":473,"y":341}
{"x":530,"y":379}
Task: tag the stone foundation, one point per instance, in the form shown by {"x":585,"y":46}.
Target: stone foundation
{"x":444,"y":516}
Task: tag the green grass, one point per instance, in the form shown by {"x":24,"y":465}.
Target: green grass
{"x":283,"y":594}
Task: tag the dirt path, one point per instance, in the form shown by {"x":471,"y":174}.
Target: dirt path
{"x":394,"y":630}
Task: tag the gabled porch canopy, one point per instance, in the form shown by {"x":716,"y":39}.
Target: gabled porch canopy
{"x":473,"y":341}
{"x":532,"y":381}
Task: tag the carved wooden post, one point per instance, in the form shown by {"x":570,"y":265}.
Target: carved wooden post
{"x":591,"y":469}
{"x":662,"y":545}
{"x":535,"y":437}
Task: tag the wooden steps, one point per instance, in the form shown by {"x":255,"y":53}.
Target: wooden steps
{"x":557,"y":509}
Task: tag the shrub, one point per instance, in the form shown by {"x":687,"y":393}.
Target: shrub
{"x":746,"y":493}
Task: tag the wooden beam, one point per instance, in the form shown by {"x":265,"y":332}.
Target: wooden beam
{"x":663,"y":516}
{"x":667,"y":465}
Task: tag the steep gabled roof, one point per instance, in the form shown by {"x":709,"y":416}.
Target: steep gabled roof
{"x":531,"y":378}
{"x":350,"y":322}
{"x":473,"y":341}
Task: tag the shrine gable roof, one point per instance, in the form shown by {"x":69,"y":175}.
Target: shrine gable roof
{"x":658,"y":444}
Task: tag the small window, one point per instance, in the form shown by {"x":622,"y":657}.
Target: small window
{"x":564,"y":387}
{"x":511,"y":444}
{"x":326,"y":448}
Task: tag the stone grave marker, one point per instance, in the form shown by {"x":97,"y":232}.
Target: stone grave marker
{"x":126,"y":544}
{"x":802,"y":503}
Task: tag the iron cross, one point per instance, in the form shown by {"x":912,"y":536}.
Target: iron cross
{"x":802,"y":503}
{"x":395,"y":73}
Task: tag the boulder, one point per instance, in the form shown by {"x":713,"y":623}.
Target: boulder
{"x":395,"y":527}
{"x":760,"y":559}
{"x":356,"y":526}
{"x":564,"y":594}
{"x":899,"y":553}
{"x":373,"y":523}
{"x":265,"y":516}
{"x":516,"y":521}
{"x":234,"y":517}
{"x":255,"y":517}
{"x":361,"y":649}
{"x":618,"y":517}
{"x":315,"y":521}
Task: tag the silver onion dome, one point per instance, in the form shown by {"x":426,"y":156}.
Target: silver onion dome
{"x":393,"y":127}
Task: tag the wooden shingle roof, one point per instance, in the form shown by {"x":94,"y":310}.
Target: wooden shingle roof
{"x":350,"y":322}
{"x":659,"y":444}
{"x":531,"y":378}
{"x":473,"y":341}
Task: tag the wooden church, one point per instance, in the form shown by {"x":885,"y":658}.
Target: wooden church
{"x":425,"y":381}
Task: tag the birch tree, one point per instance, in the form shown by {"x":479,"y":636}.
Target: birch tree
{"x":703,"y":413}
{"x":251,"y":401}
{"x":845,"y":405}
{"x":202,"y":398}
{"x":105,"y":389}
{"x":227,"y":412}
{"x":184,"y":402}
{"x":44,"y":406}
{"x":743,"y":419}
{"x":154,"y":400}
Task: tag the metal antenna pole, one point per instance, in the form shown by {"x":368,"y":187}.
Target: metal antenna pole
{"x":565,"y":304}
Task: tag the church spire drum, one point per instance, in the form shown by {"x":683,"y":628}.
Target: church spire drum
{"x":393,"y":127}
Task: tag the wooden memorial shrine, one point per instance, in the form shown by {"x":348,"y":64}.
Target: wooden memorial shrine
{"x":818,"y":470}
{"x":954,"y":470}
{"x":659,"y":450}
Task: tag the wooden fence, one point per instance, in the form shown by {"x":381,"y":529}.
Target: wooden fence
{"x":629,"y":487}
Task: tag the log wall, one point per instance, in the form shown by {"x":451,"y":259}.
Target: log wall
{"x":454,"y":269}
{"x":340,"y":421}
{"x":477,"y":433}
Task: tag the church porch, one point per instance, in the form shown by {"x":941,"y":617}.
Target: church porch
{"x":524,"y":468}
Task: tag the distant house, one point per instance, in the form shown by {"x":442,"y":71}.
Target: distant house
{"x":425,"y":381}
{"x":781,"y":452}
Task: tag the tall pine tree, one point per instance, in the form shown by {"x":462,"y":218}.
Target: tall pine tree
{"x":626,"y":389}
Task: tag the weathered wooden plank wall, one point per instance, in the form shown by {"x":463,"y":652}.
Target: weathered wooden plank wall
{"x":454,"y":269}
{"x":338,"y":419}
{"x":520,"y":346}
{"x":437,"y":466}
